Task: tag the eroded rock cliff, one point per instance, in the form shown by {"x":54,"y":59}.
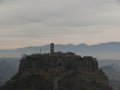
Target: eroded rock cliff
{"x":58,"y":71}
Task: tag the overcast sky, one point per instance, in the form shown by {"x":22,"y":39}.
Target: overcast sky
{"x":39,"y":22}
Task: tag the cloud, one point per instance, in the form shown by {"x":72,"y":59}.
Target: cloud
{"x":50,"y":20}
{"x":71,"y":13}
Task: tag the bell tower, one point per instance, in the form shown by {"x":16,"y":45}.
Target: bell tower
{"x":52,"y":54}
{"x":52,"y":48}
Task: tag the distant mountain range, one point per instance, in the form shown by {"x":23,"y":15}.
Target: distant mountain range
{"x":100,"y":51}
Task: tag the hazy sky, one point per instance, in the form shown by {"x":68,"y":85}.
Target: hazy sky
{"x":39,"y":22}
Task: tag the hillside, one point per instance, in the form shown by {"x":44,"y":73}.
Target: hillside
{"x":58,"y":71}
{"x":113,"y":73}
{"x":8,"y":68}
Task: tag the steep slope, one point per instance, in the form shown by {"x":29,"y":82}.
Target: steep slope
{"x":113,"y":73}
{"x":8,"y":68}
{"x":58,"y":71}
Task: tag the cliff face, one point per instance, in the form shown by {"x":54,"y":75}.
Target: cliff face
{"x":58,"y":71}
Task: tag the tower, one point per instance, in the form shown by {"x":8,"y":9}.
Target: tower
{"x":52,"y":53}
{"x":52,"y":48}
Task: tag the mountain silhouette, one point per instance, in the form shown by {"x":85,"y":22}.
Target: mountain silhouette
{"x":101,"y":51}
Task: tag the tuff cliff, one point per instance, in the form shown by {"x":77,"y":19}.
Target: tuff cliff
{"x":58,"y":71}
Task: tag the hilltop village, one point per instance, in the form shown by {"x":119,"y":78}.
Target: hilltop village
{"x":58,"y":71}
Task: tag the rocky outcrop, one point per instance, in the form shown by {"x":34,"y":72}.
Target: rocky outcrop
{"x":58,"y":71}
